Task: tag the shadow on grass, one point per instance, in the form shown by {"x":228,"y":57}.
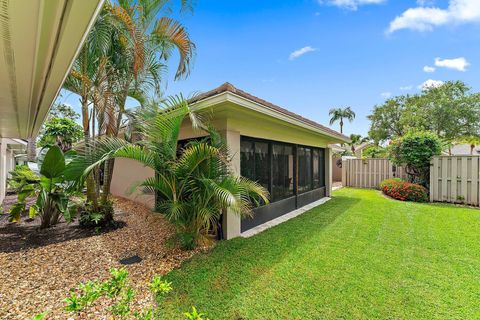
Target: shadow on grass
{"x":212,"y":281}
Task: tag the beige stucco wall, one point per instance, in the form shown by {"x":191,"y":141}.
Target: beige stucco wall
{"x":128,"y":173}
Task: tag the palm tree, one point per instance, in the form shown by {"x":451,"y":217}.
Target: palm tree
{"x":192,"y":187}
{"x":338,"y":114}
{"x":472,"y":140}
{"x":124,"y":56}
{"x":356,"y":140}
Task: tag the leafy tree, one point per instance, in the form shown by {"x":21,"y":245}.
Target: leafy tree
{"x":62,"y":132}
{"x":63,"y":111}
{"x":414,"y":151}
{"x":339,"y":114}
{"x":450,"y":111}
{"x":386,"y":119}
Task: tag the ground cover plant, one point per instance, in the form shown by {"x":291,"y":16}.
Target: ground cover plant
{"x":359,"y":256}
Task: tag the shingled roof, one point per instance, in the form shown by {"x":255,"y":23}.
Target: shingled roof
{"x":228,"y":87}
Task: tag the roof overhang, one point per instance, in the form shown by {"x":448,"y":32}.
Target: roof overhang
{"x":224,"y":97}
{"x":39,"y":41}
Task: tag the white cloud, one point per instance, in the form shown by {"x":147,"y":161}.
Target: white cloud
{"x":300,"y":52}
{"x":429,"y":69}
{"x":431,"y":84}
{"x":459,"y":64}
{"x":386,"y":95}
{"x":350,"y":4}
{"x":424,"y":3}
{"x":406,"y":88}
{"x":426,"y":18}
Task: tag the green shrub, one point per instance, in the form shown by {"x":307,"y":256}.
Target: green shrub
{"x":414,"y":152}
{"x":374,"y":152}
{"x":404,"y":191}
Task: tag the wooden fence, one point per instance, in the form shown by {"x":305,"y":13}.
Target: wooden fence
{"x":368,"y":173}
{"x":455,"y":179}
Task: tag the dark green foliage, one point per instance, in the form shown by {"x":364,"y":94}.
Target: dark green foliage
{"x":62,"y":132}
{"x":99,"y":216}
{"x":414,"y":152}
{"x":404,"y":191}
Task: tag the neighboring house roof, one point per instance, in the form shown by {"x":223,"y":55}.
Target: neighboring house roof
{"x":229,"y":88}
{"x":362,"y":146}
{"x":463,"y":149}
{"x":337,"y":148}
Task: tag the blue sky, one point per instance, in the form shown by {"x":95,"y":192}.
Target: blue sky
{"x":355,"y":52}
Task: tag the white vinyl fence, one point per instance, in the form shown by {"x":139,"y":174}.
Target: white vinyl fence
{"x":455,"y":179}
{"x":368,"y":173}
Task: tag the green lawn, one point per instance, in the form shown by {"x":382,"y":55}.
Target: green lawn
{"x":359,"y":256}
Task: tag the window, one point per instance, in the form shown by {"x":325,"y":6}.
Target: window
{"x":254,"y":161}
{"x":282,"y":171}
{"x":272,"y":164}
{"x":304,"y":169}
{"x":318,"y":168}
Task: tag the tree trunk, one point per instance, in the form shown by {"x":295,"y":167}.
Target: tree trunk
{"x":91,"y":195}
{"x":31,"y":149}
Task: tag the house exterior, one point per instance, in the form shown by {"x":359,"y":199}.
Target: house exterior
{"x":286,"y":153}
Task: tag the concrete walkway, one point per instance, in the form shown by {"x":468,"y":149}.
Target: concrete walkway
{"x":281,"y":219}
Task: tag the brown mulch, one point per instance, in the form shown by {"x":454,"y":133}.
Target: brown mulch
{"x":39,"y":278}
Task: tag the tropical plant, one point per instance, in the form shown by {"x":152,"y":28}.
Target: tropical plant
{"x":124,"y":56}
{"x":62,"y":132}
{"x":355,"y":141}
{"x":471,"y":140}
{"x":414,"y":151}
{"x":50,"y":188}
{"x":192,"y":187}
{"x":339,"y":114}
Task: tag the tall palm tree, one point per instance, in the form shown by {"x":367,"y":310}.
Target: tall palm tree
{"x":339,"y":114}
{"x":124,"y":56}
{"x":192,"y":187}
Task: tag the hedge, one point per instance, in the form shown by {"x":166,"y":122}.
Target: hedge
{"x":404,"y":191}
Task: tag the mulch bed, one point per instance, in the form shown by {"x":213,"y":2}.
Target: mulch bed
{"x":39,"y":267}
